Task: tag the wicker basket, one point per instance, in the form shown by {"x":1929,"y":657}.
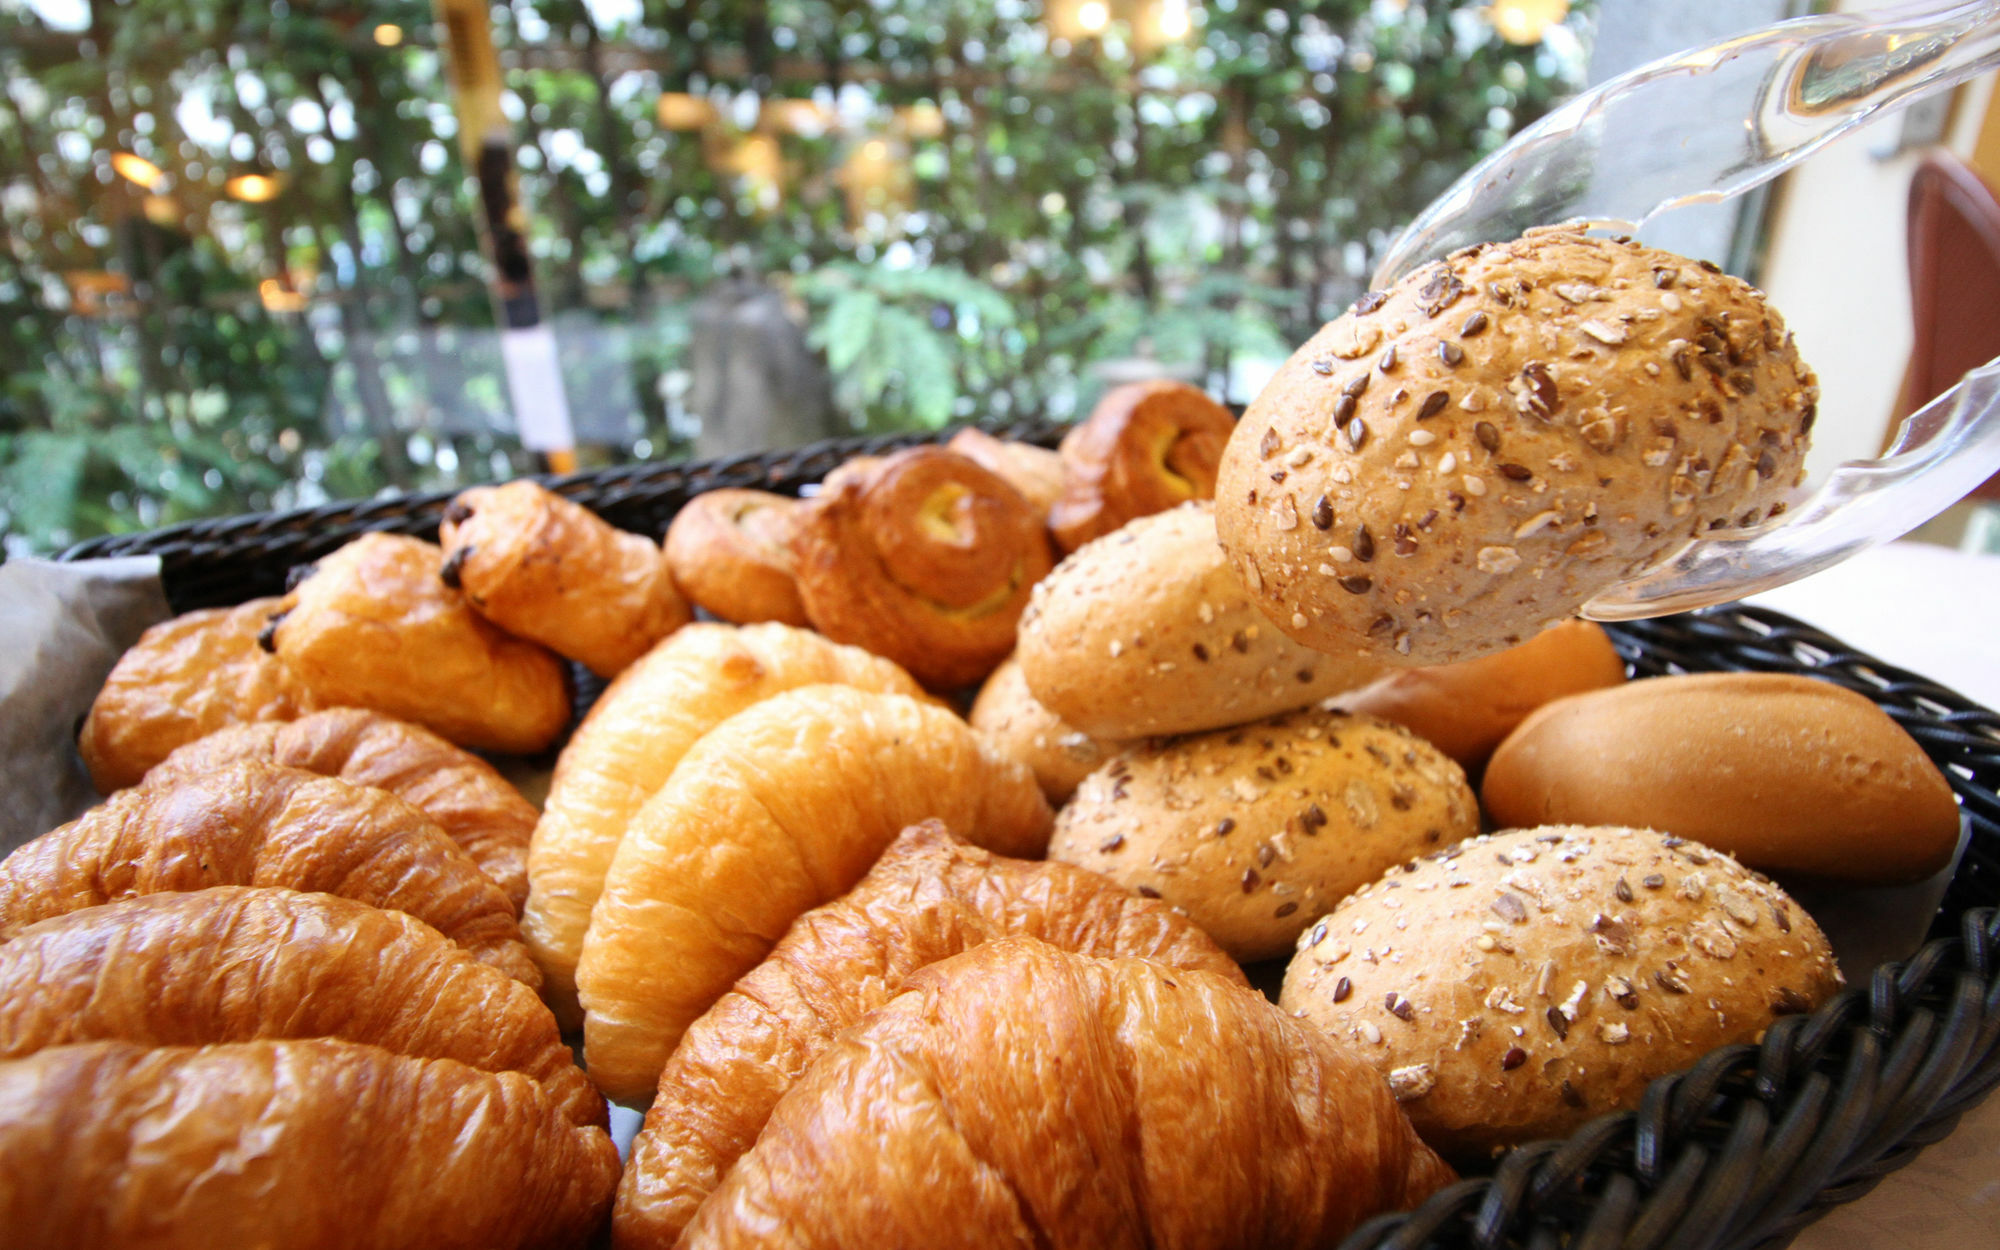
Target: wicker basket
{"x":1743,"y":1149}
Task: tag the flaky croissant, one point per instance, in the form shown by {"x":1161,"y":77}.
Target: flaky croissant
{"x":928,"y":898}
{"x":251,"y":823}
{"x":545,"y":568}
{"x":926,"y":558}
{"x":1146,"y":447}
{"x":628,"y":746}
{"x":1018,"y":1095}
{"x":467,"y":798}
{"x":775,"y":811}
{"x":372,"y":626}
{"x":731,"y":552}
{"x":242,"y":964}
{"x":307,"y":1145}
{"x":185,"y":678}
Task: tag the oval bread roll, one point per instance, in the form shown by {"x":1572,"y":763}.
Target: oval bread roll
{"x":1514,"y":986}
{"x":1464,"y":460}
{"x":1256,"y":831}
{"x":1467,"y":709}
{"x":628,"y":746}
{"x":1148,"y":631}
{"x":775,"y":811}
{"x":1786,"y":773}
{"x":1060,"y":754}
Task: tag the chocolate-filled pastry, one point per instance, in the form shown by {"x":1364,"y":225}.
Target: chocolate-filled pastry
{"x":544,"y":568}
{"x":309,"y":1145}
{"x":775,"y":811}
{"x":1514,"y":429}
{"x":1146,"y":447}
{"x":373,"y":626}
{"x":731,"y":552}
{"x":244,"y":964}
{"x":926,"y":559}
{"x":628,"y":746}
{"x":468,"y":799}
{"x":928,"y":898}
{"x":1035,"y":471}
{"x":251,"y":823}
{"x":1019,"y":1095}
{"x":185,"y":678}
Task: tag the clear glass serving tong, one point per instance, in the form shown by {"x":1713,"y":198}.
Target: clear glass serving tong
{"x":1634,"y":147}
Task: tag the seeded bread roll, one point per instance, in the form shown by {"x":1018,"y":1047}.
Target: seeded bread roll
{"x":1148,"y":631}
{"x":1514,"y":986}
{"x":1786,"y":773}
{"x":1467,"y":709}
{"x":1461,"y":461}
{"x":1256,"y":831}
{"x":1060,"y":754}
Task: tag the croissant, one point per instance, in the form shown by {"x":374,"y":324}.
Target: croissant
{"x":308,"y":1145}
{"x":775,"y":811}
{"x":731,"y":552}
{"x":251,"y":823}
{"x":372,"y":626}
{"x":240,"y":964}
{"x":1020,"y":1095}
{"x":544,"y":568}
{"x":629,"y":744}
{"x":185,"y":678}
{"x":1146,"y":447}
{"x":1035,"y":471}
{"x":929,"y":897}
{"x":467,"y":798}
{"x":927,"y":559}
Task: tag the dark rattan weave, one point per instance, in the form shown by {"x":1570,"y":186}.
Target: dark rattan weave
{"x":1744,"y":1149}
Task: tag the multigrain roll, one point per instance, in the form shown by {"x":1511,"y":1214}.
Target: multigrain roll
{"x":1148,"y":631}
{"x":1465,"y":459}
{"x":731,"y":552}
{"x":1060,"y":754}
{"x":1786,"y":773}
{"x":1467,"y":709}
{"x":1256,"y":831}
{"x":1514,"y":986}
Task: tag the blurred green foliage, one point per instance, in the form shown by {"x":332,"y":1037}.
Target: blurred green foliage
{"x":974,"y":215}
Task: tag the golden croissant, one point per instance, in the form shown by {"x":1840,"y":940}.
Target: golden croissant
{"x":185,"y":678}
{"x":467,"y":798}
{"x":251,"y":823}
{"x":1018,"y":1095}
{"x":629,"y":744}
{"x":775,"y":811}
{"x":928,"y":898}
{"x":545,"y":568}
{"x":240,"y":964}
{"x":305,"y":1145}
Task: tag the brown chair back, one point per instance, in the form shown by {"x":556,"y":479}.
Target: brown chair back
{"x":1954,"y":241}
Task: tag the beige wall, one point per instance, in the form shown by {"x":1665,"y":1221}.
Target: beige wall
{"x":1836,"y":269}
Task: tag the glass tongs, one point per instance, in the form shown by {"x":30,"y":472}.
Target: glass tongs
{"x":1623,"y":152}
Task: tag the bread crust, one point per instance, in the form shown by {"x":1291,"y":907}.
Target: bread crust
{"x":929,"y":897}
{"x":780,"y":808}
{"x":1145,"y":447}
{"x":629,"y":744}
{"x":1257,"y":831}
{"x":1787,"y":773}
{"x":464,"y":794}
{"x":1060,"y":754}
{"x":1515,"y":986}
{"x":1148,"y":631}
{"x":925,"y":558}
{"x":731,"y":552}
{"x":1020,"y":1095}
{"x":1467,"y":458}
{"x":186,"y":678}
{"x":373,"y":626}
